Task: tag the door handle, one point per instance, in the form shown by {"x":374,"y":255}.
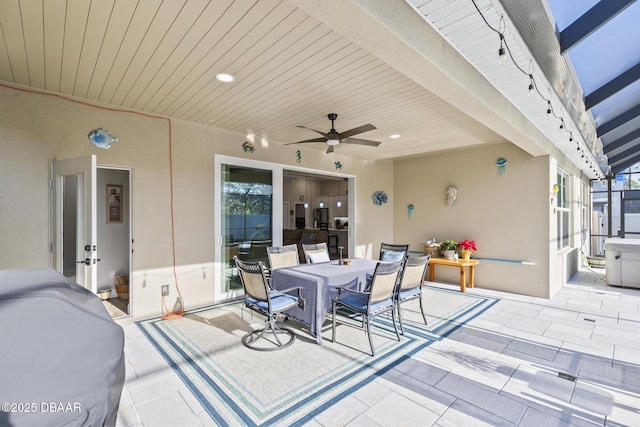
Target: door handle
{"x":87,"y":261}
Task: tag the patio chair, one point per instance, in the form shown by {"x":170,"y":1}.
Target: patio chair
{"x":283,"y":256}
{"x":316,"y":252}
{"x":259,"y":297}
{"x":378,"y":300}
{"x":279,"y":257}
{"x":411,"y":282}
{"x":392,"y":253}
{"x":389,"y":253}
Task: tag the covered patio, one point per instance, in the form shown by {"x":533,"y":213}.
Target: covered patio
{"x":521,"y":361}
{"x":487,"y":100}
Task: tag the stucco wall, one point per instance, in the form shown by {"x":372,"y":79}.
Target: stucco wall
{"x":35,"y":128}
{"x":25,"y":150}
{"x":510,"y":217}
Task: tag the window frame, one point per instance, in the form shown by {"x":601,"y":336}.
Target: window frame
{"x":563,"y":210}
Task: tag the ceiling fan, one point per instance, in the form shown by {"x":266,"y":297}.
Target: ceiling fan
{"x":333,"y":137}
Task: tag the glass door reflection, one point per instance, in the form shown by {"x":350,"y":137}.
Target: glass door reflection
{"x":247,"y":211}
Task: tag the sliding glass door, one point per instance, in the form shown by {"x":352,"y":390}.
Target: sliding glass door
{"x":245,"y":218}
{"x":254,"y":202}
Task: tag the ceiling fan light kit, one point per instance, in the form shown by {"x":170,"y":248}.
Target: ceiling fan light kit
{"x":334,"y":138}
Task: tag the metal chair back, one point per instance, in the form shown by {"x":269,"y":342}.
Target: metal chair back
{"x":392,"y":253}
{"x":283,"y":256}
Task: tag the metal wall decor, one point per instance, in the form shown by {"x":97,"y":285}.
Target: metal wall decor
{"x":379,"y":198}
{"x":501,"y":163}
{"x":248,"y":147}
{"x":101,"y":138}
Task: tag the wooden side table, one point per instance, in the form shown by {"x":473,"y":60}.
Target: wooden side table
{"x":460,"y":263}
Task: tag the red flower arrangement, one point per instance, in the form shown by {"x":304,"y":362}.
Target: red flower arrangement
{"x":467,"y":245}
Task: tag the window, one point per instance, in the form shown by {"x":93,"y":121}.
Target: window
{"x":583,"y":203}
{"x":563,"y":213}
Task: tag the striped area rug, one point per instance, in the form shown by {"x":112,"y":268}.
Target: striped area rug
{"x":238,"y":386}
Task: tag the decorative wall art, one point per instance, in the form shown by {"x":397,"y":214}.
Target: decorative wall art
{"x":101,"y":138}
{"x":114,"y":204}
{"x":452,"y":195}
{"x":248,"y":147}
{"x":338,"y":165}
{"x":410,"y":209}
{"x":379,"y":198}
{"x":298,"y":156}
{"x":501,"y":163}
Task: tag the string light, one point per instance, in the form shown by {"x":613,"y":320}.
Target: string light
{"x":549,"y":109}
{"x":501,"y":53}
{"x":532,"y":89}
{"x":532,"y":85}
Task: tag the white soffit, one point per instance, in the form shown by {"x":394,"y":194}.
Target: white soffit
{"x":460,"y":23}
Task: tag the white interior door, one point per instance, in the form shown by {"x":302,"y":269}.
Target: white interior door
{"x":75,"y":222}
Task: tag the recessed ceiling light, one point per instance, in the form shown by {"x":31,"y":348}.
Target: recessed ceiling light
{"x":394,"y":136}
{"x":224,"y":77}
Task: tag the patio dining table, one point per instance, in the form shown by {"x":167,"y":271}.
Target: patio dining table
{"x":320,"y":284}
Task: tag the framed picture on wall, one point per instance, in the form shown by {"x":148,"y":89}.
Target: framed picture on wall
{"x":114,"y":204}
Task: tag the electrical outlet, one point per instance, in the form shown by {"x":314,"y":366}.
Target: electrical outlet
{"x":112,"y":274}
{"x":165,"y":290}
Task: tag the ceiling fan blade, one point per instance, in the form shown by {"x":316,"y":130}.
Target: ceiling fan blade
{"x":309,"y":140}
{"x":355,"y":131}
{"x":330,"y":149}
{"x":316,"y":131}
{"x":360,"y":142}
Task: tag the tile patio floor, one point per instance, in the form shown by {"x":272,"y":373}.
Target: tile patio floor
{"x":501,"y":369}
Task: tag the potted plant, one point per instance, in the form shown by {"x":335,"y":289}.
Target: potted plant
{"x":448,"y":248}
{"x":466,"y":246}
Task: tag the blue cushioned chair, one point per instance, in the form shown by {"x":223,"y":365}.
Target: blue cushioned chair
{"x":282,"y":256}
{"x":279,"y":257}
{"x":393,"y":253}
{"x":316,"y":252}
{"x":259,"y":297}
{"x":411,"y":282}
{"x":390,"y":253}
{"x":377,"y":300}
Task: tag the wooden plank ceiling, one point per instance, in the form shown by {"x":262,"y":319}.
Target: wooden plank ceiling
{"x":161,"y":57}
